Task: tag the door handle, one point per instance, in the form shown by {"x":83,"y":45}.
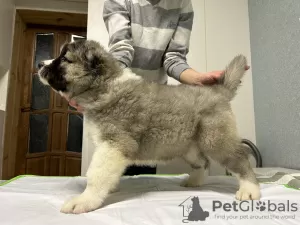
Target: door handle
{"x":25,"y":109}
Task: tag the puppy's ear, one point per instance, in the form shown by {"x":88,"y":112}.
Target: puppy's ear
{"x":94,"y":62}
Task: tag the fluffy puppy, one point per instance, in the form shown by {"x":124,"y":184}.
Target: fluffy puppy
{"x":132,"y":121}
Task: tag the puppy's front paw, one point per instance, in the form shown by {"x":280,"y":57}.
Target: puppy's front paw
{"x":81,"y":204}
{"x":248,"y":191}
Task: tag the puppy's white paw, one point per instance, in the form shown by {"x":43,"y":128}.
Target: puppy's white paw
{"x":81,"y":204}
{"x":196,"y":179}
{"x":248,"y":191}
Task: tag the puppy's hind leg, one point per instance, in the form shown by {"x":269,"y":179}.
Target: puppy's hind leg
{"x":105,"y":170}
{"x":199,"y":163}
{"x":236,"y":161}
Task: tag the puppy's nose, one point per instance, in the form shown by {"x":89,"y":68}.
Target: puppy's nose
{"x":41,"y":64}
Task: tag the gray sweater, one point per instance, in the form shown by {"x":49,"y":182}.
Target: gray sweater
{"x":150,"y":36}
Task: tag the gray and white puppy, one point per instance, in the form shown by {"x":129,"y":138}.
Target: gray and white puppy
{"x":132,"y":121}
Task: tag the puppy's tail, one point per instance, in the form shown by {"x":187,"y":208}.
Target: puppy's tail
{"x":233,"y":74}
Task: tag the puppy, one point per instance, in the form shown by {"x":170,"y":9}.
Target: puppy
{"x":132,"y":121}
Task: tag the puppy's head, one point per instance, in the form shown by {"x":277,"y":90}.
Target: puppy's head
{"x":79,"y":64}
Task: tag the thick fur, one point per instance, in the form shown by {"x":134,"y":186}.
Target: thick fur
{"x":133,"y":121}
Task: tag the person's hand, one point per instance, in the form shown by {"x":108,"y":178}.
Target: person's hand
{"x":73,"y":103}
{"x":193,"y":77}
{"x":208,"y":78}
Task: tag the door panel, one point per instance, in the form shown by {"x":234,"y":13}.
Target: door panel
{"x":58,"y":132}
{"x":50,"y":135}
{"x":73,"y":166}
{"x":43,"y":47}
{"x":36,"y":166}
{"x":56,"y":165}
{"x":75,"y":130}
{"x":40,"y":96}
{"x":38,"y":133}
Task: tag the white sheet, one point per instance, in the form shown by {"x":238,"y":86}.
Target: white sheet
{"x":142,"y":200}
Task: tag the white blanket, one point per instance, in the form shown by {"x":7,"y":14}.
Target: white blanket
{"x":146,"y":200}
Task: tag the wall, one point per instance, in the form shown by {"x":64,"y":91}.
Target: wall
{"x":275,"y":33}
{"x":76,"y":6}
{"x":2,"y":114}
{"x":220,"y":31}
{"x":228,"y":34}
{"x":7,"y":12}
{"x":96,"y":30}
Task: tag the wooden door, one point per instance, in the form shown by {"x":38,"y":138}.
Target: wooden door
{"x":50,"y":134}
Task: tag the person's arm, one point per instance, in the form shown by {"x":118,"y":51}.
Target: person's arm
{"x":178,"y":48}
{"x":116,"y":16}
{"x":175,"y":62}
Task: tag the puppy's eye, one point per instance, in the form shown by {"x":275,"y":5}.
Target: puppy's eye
{"x":64,"y":59}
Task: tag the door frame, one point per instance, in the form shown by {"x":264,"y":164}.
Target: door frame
{"x":27,"y":18}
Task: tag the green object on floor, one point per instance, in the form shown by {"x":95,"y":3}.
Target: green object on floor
{"x":22,"y":176}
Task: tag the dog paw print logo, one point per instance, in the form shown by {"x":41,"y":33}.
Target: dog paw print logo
{"x":192,"y":211}
{"x":261,"y":206}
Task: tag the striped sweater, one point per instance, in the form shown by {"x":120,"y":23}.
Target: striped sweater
{"x":150,"y":36}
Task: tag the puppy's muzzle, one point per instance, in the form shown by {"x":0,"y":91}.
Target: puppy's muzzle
{"x":40,"y":65}
{"x":44,"y":63}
